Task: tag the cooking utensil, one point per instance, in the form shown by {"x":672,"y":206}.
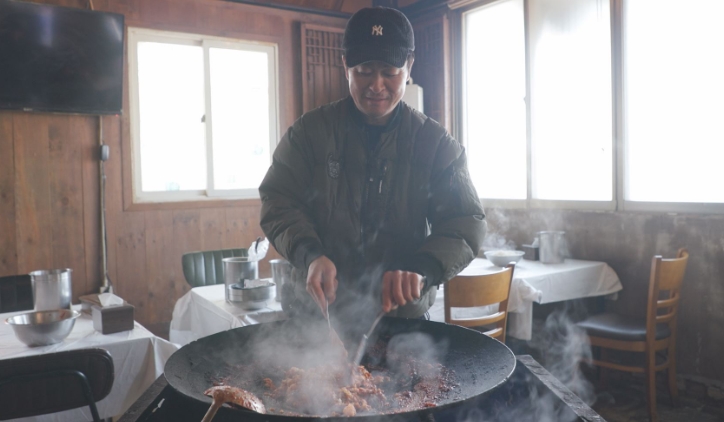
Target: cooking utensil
{"x":226,"y":394}
{"x":480,"y":363}
{"x":44,"y":327}
{"x":363,"y":343}
{"x":333,"y":336}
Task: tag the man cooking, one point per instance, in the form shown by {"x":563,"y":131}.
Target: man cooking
{"x":369,"y":199}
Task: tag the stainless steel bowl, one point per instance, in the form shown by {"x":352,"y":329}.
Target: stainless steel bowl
{"x":42,"y":328}
{"x":501,"y":258}
{"x":251,"y":298}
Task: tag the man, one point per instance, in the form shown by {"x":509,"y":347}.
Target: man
{"x":369,"y":199}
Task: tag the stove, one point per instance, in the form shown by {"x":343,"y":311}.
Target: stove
{"x":531,"y":394}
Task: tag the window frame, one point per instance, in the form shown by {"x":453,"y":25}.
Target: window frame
{"x":618,"y":202}
{"x":203,"y":196}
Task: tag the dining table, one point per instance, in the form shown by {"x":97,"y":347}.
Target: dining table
{"x":536,"y":282}
{"x":203,"y":311}
{"x":138,"y":359}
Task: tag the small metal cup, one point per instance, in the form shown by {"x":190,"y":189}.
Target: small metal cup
{"x":281,"y":274}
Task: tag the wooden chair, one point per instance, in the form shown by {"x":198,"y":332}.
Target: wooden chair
{"x":655,"y":333}
{"x":466,"y":291}
{"x":205,"y":268}
{"x":54,"y":382}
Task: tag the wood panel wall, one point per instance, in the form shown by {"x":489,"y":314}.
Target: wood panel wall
{"x":49,"y":173}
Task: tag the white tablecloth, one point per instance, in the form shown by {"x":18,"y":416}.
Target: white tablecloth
{"x":203,"y":310}
{"x":534,"y":281}
{"x":138,"y":359}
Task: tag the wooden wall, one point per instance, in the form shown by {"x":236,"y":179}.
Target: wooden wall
{"x":49,"y":174}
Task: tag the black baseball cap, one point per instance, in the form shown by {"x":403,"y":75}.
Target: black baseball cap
{"x":378,"y":33}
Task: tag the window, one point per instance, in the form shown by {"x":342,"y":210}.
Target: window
{"x":203,"y":115}
{"x":494,"y":111}
{"x":568,"y":118}
{"x":548,"y":121}
{"x":673,"y":88}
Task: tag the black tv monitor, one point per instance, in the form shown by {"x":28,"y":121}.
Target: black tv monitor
{"x":60,"y":59}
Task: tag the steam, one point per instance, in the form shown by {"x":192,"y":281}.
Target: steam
{"x":562,"y":346}
{"x":498,"y":224}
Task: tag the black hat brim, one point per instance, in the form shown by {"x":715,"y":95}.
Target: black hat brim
{"x":394,"y":56}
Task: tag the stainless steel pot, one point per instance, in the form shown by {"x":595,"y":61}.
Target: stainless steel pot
{"x":553,"y":247}
{"x":52,"y":289}
{"x":236,"y":270}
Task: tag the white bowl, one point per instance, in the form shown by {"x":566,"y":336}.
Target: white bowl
{"x":42,"y":328}
{"x":501,"y":258}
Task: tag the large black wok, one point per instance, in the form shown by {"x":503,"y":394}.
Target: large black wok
{"x":480,"y":363}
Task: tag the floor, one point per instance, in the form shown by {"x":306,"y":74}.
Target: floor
{"x":623,"y":397}
{"x":625,"y":403}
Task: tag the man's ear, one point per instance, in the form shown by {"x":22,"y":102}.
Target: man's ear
{"x":346,"y":69}
{"x":410,"y":61}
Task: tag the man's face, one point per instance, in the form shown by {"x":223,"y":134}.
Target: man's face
{"x":376,"y":88}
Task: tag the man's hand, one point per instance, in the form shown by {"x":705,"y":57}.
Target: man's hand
{"x":400,"y":287}
{"x":322,"y":282}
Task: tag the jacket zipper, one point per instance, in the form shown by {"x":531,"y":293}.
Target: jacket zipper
{"x":382,"y":177}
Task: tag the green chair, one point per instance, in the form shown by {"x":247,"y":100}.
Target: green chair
{"x":205,"y":268}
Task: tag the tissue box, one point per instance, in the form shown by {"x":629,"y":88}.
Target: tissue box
{"x":87,"y":302}
{"x":112,"y":319}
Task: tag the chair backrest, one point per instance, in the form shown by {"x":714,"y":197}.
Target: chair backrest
{"x":54,"y":382}
{"x":205,"y":268}
{"x":465,"y":291}
{"x":16,"y":293}
{"x":667,"y":276}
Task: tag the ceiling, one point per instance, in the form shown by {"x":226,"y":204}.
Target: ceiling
{"x":339,"y":7}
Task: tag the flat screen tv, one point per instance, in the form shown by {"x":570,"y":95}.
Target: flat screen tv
{"x":60,"y":59}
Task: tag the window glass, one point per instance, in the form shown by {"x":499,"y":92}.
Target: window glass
{"x":571,"y":106}
{"x":673,"y":67}
{"x":171,"y":108}
{"x":240,"y":110}
{"x":203,"y":115}
{"x":494,"y":122}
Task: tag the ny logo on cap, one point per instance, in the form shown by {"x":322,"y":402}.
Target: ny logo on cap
{"x":377,"y":30}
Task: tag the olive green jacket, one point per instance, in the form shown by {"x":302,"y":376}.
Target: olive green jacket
{"x":407,"y":204}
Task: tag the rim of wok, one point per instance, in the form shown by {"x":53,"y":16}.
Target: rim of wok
{"x":481,"y":363}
